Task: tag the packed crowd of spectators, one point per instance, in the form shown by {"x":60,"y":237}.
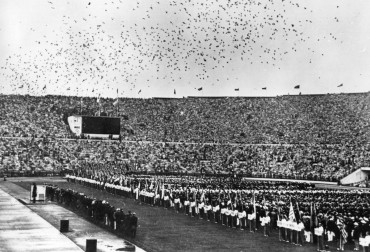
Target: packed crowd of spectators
{"x":300,"y":161}
{"x":319,"y":119}
{"x":310,"y":137}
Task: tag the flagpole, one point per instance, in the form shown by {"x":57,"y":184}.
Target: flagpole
{"x":117,"y":104}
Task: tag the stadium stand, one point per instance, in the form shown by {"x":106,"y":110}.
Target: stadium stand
{"x":322,"y":137}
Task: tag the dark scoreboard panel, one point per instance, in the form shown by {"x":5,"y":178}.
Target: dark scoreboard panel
{"x":101,"y":125}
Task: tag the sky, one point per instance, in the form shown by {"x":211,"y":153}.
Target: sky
{"x":182,"y":48}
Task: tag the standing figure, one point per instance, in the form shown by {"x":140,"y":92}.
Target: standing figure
{"x":133,"y":225}
{"x":34,"y":192}
{"x":356,"y":236}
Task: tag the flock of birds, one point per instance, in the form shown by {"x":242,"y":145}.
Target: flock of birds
{"x":162,"y":40}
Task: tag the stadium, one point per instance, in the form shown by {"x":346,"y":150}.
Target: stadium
{"x":184,"y":126}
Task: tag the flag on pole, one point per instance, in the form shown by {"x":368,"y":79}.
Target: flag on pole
{"x":299,"y":213}
{"x":291,"y":213}
{"x":311,"y":217}
{"x":115,"y":103}
{"x":174,"y":91}
{"x":254,"y":203}
{"x":344,"y":234}
{"x":162,"y":191}
{"x":316,"y":220}
{"x":202,"y":197}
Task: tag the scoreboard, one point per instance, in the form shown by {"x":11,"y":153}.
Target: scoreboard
{"x":95,"y":126}
{"x":101,"y":125}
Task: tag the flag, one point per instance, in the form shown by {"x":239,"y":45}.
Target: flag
{"x":264,"y":88}
{"x":313,"y":220}
{"x":202,"y":197}
{"x":174,"y":91}
{"x":279,"y":213}
{"x":297,"y":87}
{"x":236,"y":89}
{"x":162,"y":196}
{"x":200,"y":89}
{"x":344,"y":234}
{"x":254,"y":204}
{"x":311,"y":217}
{"x":156,"y":190}
{"x":139,"y":91}
{"x":137,"y":191}
{"x":291,"y":213}
{"x":340,"y":85}
{"x":299,"y":213}
{"x":115,"y":102}
{"x":44,"y":87}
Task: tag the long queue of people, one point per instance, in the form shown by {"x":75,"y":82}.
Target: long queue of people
{"x":99,"y":211}
{"x":309,"y":162}
{"x":299,"y":211}
{"x":316,"y":119}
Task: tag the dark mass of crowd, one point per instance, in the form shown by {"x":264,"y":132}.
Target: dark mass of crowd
{"x":99,"y":211}
{"x":295,"y":161}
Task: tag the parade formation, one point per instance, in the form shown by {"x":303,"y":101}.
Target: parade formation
{"x":300,"y":212}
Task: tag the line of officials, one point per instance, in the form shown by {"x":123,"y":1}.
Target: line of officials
{"x":100,"y":211}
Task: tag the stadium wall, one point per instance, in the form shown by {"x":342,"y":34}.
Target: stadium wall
{"x":356,"y":176}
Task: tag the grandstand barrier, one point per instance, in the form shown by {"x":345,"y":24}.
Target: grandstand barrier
{"x":238,"y":176}
{"x":91,"y":245}
{"x":33,"y":174}
{"x":64,"y":172}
